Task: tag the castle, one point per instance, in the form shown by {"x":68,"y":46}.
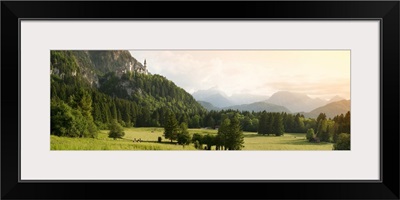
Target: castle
{"x":136,"y":66}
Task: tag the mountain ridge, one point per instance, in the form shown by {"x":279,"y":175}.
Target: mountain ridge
{"x":259,"y":107}
{"x":331,"y":109}
{"x":296,"y":102}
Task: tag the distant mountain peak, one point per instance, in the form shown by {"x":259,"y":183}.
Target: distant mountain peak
{"x":217,"y":97}
{"x":335,"y":98}
{"x":296,"y":102}
{"x":284,"y":92}
{"x":213,"y":96}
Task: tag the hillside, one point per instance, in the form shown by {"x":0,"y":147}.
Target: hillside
{"x":259,"y":106}
{"x":119,"y":85}
{"x":208,"y":106}
{"x":331,"y":109}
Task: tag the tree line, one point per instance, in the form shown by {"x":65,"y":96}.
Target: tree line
{"x":229,"y":137}
{"x":75,"y":98}
{"x":336,"y":130}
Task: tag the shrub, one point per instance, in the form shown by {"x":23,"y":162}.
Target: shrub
{"x":116,"y":130}
{"x":310,"y":134}
{"x":209,"y":140}
{"x":159,"y":139}
{"x":343,"y":142}
{"x":197,"y":137}
{"x":184,"y":138}
{"x":197,"y":144}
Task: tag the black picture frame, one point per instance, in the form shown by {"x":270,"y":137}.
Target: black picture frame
{"x":386,"y":11}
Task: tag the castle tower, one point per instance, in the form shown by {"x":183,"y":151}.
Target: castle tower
{"x":144,"y":70}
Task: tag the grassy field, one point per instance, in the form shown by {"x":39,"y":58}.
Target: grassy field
{"x":253,"y":141}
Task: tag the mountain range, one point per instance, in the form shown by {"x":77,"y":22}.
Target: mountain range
{"x":282,"y":101}
{"x":214,"y":96}
{"x":219,"y":99}
{"x":259,"y":107}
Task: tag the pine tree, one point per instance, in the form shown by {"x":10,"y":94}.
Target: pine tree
{"x":278,"y":125}
{"x":322,"y":126}
{"x":184,"y":137}
{"x":171,"y":127}
{"x":85,"y":104}
{"x":263,"y":123}
{"x":235,"y":138}
{"x":270,"y":124}
{"x":223,"y":133}
{"x":127,"y":116}
{"x":116,"y":130}
{"x":346,"y":123}
{"x":119,"y":116}
{"x":324,"y":135}
{"x":320,"y":117}
{"x":310,"y":134}
{"x":299,"y":124}
{"x":289,"y":123}
{"x":114,"y":111}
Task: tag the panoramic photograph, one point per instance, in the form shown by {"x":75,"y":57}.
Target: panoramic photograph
{"x":200,"y":100}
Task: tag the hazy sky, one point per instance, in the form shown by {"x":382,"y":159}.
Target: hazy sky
{"x":322,"y":74}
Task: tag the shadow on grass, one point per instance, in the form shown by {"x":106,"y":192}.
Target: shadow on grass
{"x":292,"y":135}
{"x":162,"y":142}
{"x":301,"y":142}
{"x":257,"y":135}
{"x":261,"y":136}
{"x":151,"y":141}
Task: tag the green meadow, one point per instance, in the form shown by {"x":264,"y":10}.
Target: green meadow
{"x":149,"y":136}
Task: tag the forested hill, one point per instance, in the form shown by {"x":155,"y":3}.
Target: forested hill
{"x":118,"y":87}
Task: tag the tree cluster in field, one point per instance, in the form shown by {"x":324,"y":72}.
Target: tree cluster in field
{"x":336,"y":130}
{"x":229,"y":137}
